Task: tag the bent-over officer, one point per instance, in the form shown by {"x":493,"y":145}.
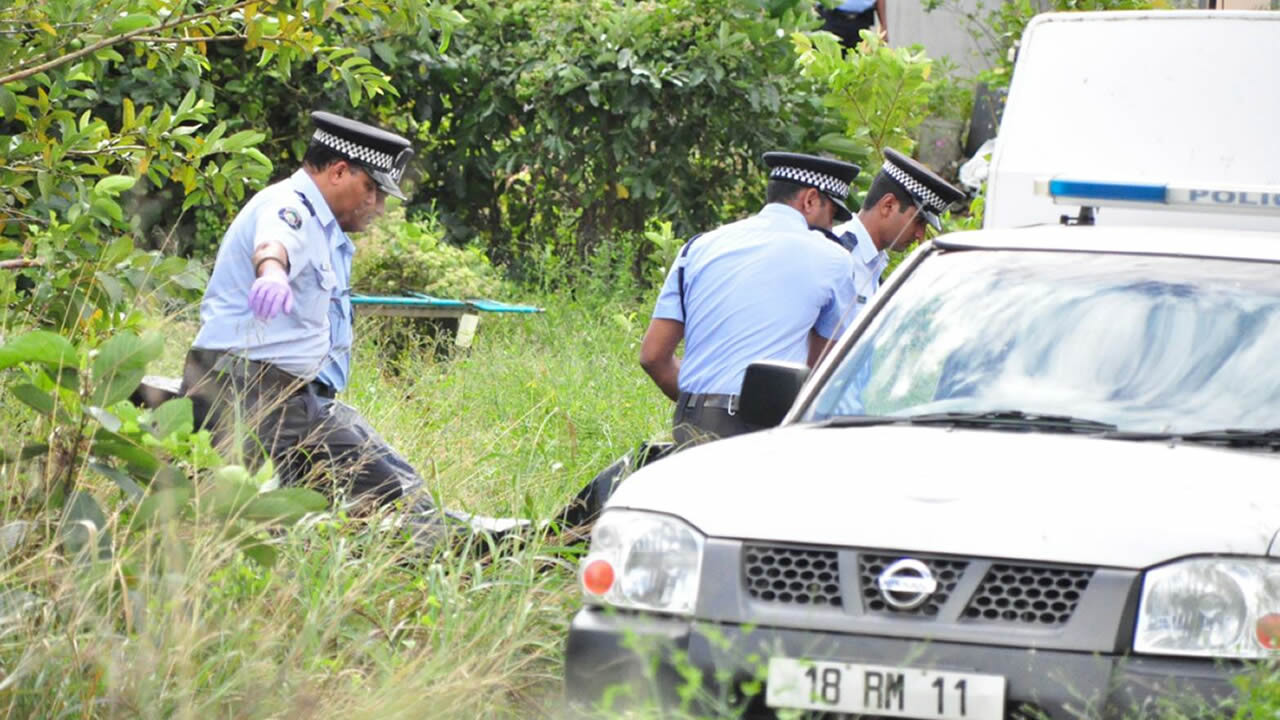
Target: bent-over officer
{"x":904,"y":197}
{"x":274,"y":346}
{"x":762,"y":288}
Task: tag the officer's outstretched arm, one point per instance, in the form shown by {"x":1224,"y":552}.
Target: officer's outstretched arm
{"x":658,"y":354}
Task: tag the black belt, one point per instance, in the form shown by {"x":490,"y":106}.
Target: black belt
{"x":710,"y":400}
{"x":267,"y":374}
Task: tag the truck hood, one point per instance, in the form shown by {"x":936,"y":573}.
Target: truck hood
{"x":1036,"y":496}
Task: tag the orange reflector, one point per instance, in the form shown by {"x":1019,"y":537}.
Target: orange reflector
{"x":597,"y":578}
{"x":1269,"y":631}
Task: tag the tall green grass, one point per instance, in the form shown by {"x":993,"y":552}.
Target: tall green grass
{"x":352,"y":620}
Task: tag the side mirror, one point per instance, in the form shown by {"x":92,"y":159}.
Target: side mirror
{"x":769,"y":389}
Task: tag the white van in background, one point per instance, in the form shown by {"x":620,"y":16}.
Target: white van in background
{"x":1186,"y":99}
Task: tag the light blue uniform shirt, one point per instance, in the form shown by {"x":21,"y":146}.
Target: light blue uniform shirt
{"x":313,"y":340}
{"x":868,"y":265}
{"x":868,"y":262}
{"x":855,"y":6}
{"x":753,"y":290}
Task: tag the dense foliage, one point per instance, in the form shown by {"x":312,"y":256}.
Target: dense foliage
{"x":398,"y":256}
{"x":567,"y":122}
{"x":77,"y":135}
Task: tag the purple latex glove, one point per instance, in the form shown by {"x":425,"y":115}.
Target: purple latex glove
{"x":270,"y":294}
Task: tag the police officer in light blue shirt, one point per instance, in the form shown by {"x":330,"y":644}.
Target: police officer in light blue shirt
{"x":274,"y":345}
{"x":905,"y":197}
{"x":762,"y":288}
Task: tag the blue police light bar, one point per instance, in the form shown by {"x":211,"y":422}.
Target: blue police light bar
{"x":1096,"y":193}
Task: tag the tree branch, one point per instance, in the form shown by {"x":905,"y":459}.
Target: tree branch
{"x":116,"y":40}
{"x":19,"y":263}
{"x":214,"y":38}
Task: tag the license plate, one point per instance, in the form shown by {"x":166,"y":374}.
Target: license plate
{"x":881,"y":690}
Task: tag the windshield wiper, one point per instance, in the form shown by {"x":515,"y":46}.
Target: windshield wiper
{"x":991,"y":418}
{"x":1016,"y":418}
{"x":1235,"y":436}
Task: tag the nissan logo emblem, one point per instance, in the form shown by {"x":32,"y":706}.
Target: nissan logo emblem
{"x":906,"y":584}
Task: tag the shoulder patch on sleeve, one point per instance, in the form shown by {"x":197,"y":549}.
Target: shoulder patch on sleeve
{"x":291,"y":217}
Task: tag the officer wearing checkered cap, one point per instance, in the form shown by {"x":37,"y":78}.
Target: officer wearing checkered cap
{"x":274,"y":346}
{"x":762,"y":288}
{"x":904,"y":197}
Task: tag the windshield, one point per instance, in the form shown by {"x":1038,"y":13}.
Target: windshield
{"x":1152,"y":344}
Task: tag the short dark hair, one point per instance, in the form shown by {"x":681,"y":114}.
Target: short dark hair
{"x":883,"y":185}
{"x":782,"y":191}
{"x":320,"y":156}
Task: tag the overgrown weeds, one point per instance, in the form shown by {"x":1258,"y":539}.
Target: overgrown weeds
{"x":351,"y":618}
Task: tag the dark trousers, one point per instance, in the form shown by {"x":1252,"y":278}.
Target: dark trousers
{"x":701,"y":418}
{"x":258,"y":410}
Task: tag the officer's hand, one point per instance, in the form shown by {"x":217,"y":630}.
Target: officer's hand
{"x":270,"y":294}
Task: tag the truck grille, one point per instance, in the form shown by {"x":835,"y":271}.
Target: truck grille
{"x":946,"y":572}
{"x":1021,"y":594}
{"x":1028,"y":594}
{"x":792,"y":575}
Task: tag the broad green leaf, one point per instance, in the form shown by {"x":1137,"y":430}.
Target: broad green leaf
{"x":174,"y":416}
{"x":231,"y":493}
{"x":39,"y":346}
{"x":110,"y":286}
{"x":113,"y":185}
{"x":286,"y":505}
{"x":81,"y":522}
{"x":8,"y":103}
{"x":118,"y":251}
{"x":163,"y":505}
{"x":34,"y":398}
{"x":120,"y":478}
{"x":67,"y":377}
{"x":258,"y":551}
{"x":120,"y":364}
{"x":242,"y":140}
{"x":104,"y":206}
{"x":141,"y":463}
{"x":129,"y":23}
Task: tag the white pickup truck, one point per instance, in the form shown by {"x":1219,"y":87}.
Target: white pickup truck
{"x":1038,"y":477}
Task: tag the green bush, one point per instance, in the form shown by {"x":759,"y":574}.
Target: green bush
{"x":398,"y":256}
{"x":556,"y":126}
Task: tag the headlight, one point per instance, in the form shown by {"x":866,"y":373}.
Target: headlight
{"x":643,"y":560}
{"x":1211,"y":607}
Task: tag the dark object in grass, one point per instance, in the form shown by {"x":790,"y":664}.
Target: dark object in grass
{"x":586,"y":507}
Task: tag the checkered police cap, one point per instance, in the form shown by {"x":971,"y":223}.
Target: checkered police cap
{"x":830,"y":177}
{"x":933,"y":193}
{"x":361,"y":154}
{"x":828,"y":184}
{"x":930,"y":199}
{"x":384,"y":154}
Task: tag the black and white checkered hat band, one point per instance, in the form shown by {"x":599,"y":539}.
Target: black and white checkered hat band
{"x":826,"y":183}
{"x":373,"y":158}
{"x":931,"y":200}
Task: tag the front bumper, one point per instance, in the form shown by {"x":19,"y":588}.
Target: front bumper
{"x":616,"y":659}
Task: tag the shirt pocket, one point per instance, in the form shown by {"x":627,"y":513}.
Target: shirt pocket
{"x":316,"y":286}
